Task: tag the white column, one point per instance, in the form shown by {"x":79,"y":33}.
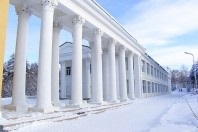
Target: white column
{"x":45,"y":58}
{"x":117,"y":77}
{"x":55,"y":64}
{"x":131,"y":75}
{"x":92,"y":69}
{"x":19,"y":80}
{"x":98,"y":90}
{"x":112,"y":71}
{"x":105,"y":73}
{"x":137,"y":76}
{"x":122,"y":73}
{"x":87,"y":90}
{"x":63,"y":80}
{"x":76,"y":91}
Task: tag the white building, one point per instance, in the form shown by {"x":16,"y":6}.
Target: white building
{"x":66,"y":67}
{"x":112,"y":77}
{"x":154,"y":80}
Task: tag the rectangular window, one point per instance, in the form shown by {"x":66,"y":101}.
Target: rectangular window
{"x":144,"y":86}
{"x":143,"y":66}
{"x":68,"y":70}
{"x":151,"y":70}
{"x":149,"y":87}
{"x":152,"y":87}
{"x":156,"y":87}
{"x":148,"y":68}
{"x":157,"y":73}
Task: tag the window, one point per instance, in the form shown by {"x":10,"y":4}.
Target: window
{"x":148,"y":68}
{"x":144,"y":86}
{"x":68,"y":70}
{"x":151,"y":70}
{"x":153,"y":87}
{"x":155,"y":74}
{"x":149,"y":87}
{"x":143,"y":66}
{"x":159,"y":88}
{"x":156,"y":87}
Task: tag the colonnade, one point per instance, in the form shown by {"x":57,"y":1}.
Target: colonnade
{"x":48,"y":69}
{"x":111,"y":76}
{"x":108,"y":90}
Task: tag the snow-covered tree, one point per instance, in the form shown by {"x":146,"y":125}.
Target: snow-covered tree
{"x":179,"y":78}
{"x":31,"y":79}
{"x":183,"y":77}
{"x":8,"y":73}
{"x":193,"y":72}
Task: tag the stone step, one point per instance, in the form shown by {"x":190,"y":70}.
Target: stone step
{"x":64,"y":114}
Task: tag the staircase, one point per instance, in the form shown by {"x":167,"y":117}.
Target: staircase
{"x":19,"y":121}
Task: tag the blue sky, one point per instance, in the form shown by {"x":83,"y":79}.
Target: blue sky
{"x":166,"y":28}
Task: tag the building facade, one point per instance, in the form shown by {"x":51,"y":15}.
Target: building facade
{"x":111,"y":68}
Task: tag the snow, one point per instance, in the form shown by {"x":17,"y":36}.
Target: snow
{"x":166,"y":113}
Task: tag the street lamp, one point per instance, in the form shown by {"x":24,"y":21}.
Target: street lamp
{"x":195,"y":68}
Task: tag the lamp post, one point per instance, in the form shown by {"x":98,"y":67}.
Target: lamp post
{"x":195,"y":68}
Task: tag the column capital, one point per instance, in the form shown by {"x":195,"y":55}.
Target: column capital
{"x":23,"y":10}
{"x":129,"y":53}
{"x":111,"y":41}
{"x":122,"y":48}
{"x":78,"y":20}
{"x":51,"y":3}
{"x":57,"y":26}
{"x":98,"y":31}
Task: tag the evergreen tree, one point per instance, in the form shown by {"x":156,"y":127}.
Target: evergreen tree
{"x":193,"y":72}
{"x":31,"y":79}
{"x":8,"y":73}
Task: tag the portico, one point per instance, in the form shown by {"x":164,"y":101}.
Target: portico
{"x":97,"y":72}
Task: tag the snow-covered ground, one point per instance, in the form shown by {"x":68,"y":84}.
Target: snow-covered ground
{"x":166,"y":113}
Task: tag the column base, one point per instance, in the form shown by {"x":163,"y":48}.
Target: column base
{"x":113,"y":101}
{"x":72,"y":105}
{"x":56,"y":104}
{"x":97,"y":103}
{"x":132,"y":98}
{"x":44,"y":110}
{"x":123,"y":100}
{"x":18,"y":108}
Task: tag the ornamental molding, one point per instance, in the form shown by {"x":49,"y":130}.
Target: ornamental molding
{"x":130,"y":53}
{"x":78,"y":20}
{"x":23,"y":9}
{"x":122,"y":48}
{"x":112,"y":41}
{"x":52,"y":3}
{"x":98,"y":31}
{"x":57,"y":26}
